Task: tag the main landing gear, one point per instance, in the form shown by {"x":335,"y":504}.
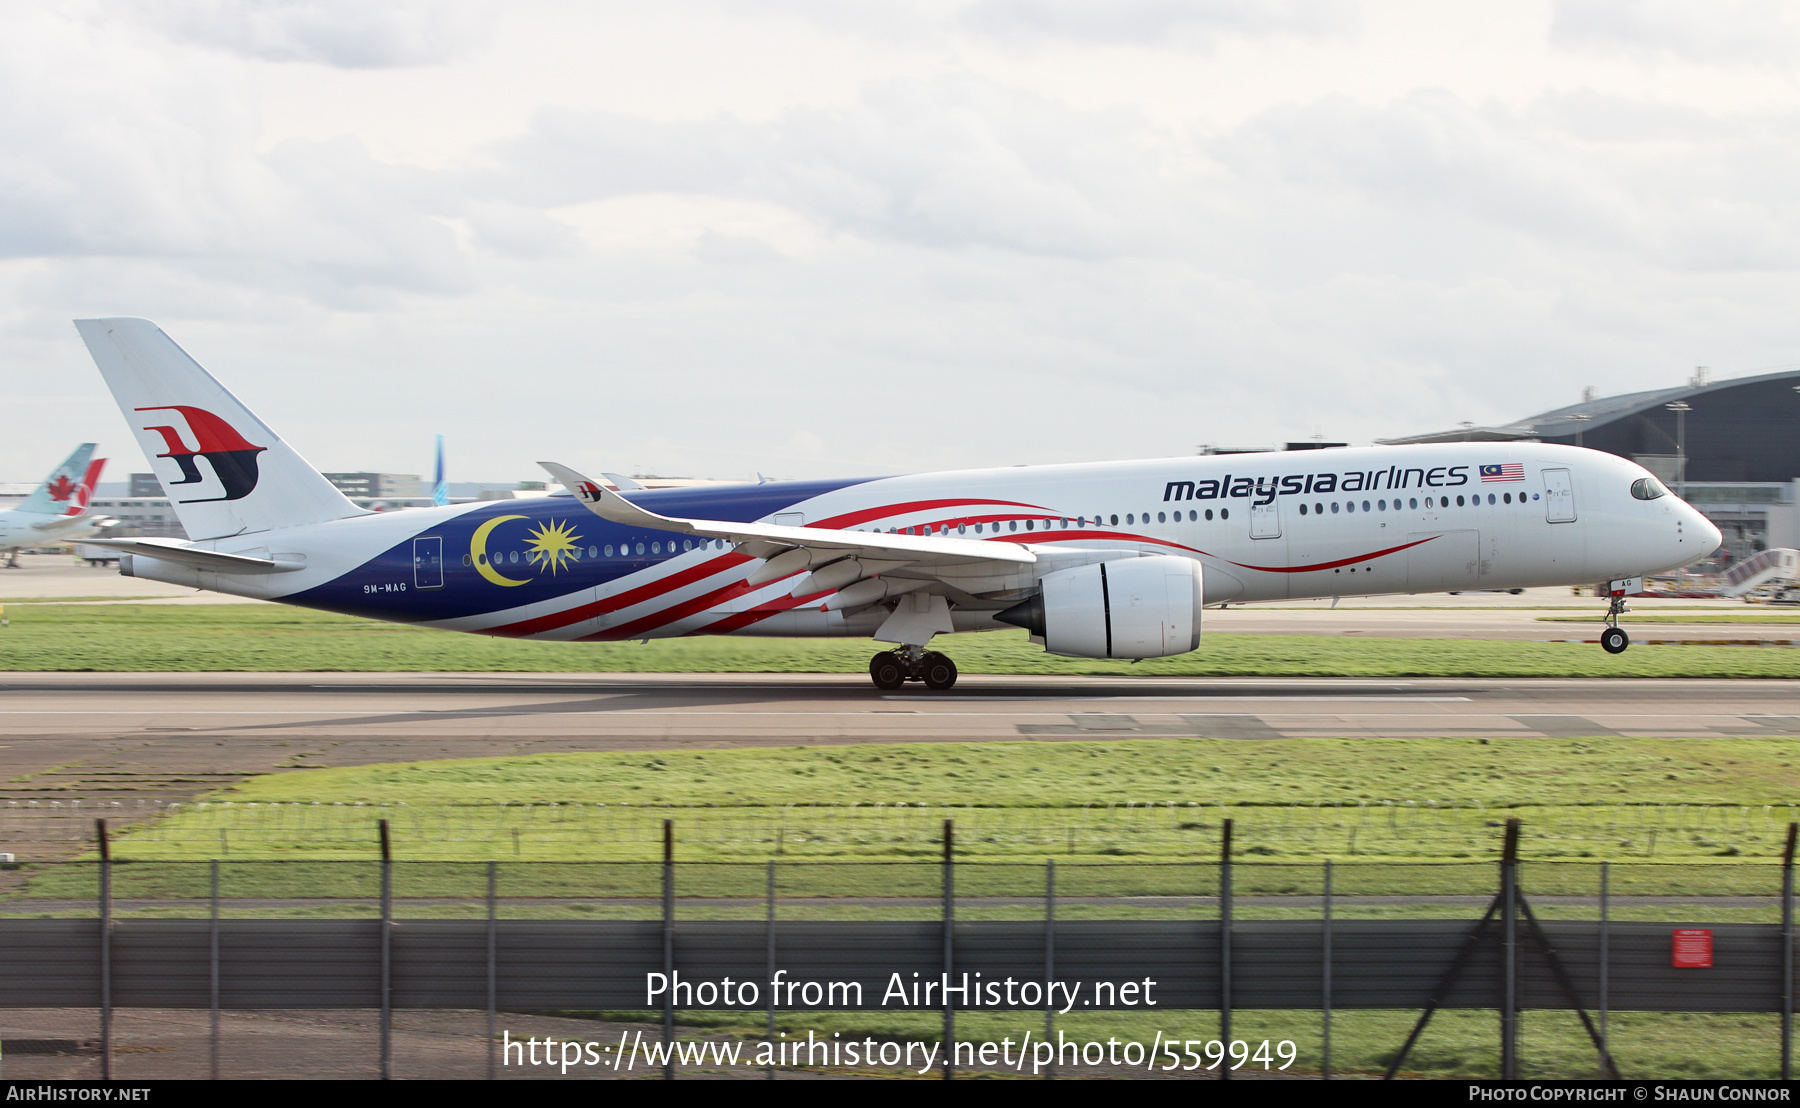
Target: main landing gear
{"x":1614,"y":640}
{"x":891,"y":669}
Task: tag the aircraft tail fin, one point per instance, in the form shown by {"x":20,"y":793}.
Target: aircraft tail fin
{"x":89,"y":482}
{"x":225,"y":471}
{"x":58,"y":494}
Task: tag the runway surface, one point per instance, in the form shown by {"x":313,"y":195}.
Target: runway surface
{"x":169,"y":735}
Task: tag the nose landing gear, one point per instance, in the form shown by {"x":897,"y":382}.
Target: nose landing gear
{"x":891,"y":669}
{"x":1614,"y":640}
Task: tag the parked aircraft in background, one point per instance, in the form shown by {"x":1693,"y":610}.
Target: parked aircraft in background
{"x":57,"y":510}
{"x":1104,"y":560}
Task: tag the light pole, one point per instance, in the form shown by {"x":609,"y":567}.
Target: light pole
{"x":1580,"y":419}
{"x":1681,"y":408}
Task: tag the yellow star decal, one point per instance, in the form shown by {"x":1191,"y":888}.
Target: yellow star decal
{"x":553,"y":545}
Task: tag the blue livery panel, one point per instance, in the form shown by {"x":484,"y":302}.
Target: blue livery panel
{"x":516,"y":552}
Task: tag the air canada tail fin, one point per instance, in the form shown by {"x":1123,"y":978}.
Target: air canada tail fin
{"x":62,"y":490}
{"x":224,"y":470}
{"x":89,"y":482}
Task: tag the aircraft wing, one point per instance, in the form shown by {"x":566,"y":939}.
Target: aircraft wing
{"x":765,"y":540}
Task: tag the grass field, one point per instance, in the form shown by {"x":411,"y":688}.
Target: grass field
{"x":228,"y":637}
{"x":1519,"y":772}
{"x":1142,"y":799}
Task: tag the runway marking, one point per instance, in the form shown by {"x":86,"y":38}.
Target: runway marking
{"x":176,"y":712}
{"x":1565,"y":727}
{"x":1202,"y":699}
{"x":1223,"y":726}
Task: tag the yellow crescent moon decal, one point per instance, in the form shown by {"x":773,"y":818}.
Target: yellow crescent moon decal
{"x":478,"y":551}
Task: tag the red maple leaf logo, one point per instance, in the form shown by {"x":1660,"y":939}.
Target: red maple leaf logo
{"x":61,"y":488}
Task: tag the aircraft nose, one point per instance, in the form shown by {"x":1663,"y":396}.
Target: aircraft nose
{"x":1706,"y":530}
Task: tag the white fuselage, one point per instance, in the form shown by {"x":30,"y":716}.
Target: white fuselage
{"x":1267,"y":526}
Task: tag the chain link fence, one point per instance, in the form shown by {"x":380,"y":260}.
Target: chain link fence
{"x":1571,"y":958}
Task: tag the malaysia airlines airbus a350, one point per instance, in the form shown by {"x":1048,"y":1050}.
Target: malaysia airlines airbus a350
{"x":1102,"y":560}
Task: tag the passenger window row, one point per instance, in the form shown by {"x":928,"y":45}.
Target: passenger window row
{"x":639,"y":549}
{"x":624,"y":550}
{"x":1413,"y":503}
{"x":1010,"y":526}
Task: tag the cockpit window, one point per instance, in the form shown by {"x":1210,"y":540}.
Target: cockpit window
{"x":1647,"y":488}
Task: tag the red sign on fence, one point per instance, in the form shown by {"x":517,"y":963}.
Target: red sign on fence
{"x":1692,"y":948}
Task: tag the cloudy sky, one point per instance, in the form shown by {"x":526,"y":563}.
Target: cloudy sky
{"x":815,"y":237}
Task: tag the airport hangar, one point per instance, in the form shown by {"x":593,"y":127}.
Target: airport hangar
{"x":1730,"y":448}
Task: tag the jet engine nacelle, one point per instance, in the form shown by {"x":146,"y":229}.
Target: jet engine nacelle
{"x":1127,"y":608}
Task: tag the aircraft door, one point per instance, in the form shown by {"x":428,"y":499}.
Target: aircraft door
{"x":1265,"y":520}
{"x":428,"y":562}
{"x":1559,"y":496}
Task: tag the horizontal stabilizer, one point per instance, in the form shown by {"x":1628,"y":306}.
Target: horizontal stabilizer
{"x":53,"y":525}
{"x":170,"y":551}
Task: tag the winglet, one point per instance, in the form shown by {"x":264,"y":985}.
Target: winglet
{"x":609,"y":505}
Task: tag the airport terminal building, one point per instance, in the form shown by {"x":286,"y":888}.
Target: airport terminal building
{"x":1732,"y":448}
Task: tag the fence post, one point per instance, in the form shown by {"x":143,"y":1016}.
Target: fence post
{"x":1509,"y":891}
{"x":213,"y":971}
{"x":1049,"y":959}
{"x":770,"y":935}
{"x":105,"y":949}
{"x":1605,"y":951}
{"x":493,"y":959}
{"x":668,"y":937}
{"x":387,"y":919}
{"x":1787,"y":953}
{"x":1326,"y":971}
{"x":1225,"y":950}
{"x":949,"y":946}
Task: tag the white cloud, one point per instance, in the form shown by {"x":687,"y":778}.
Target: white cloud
{"x":960,"y":261}
{"x":352,"y":34}
{"x":172,"y":171}
{"x":948,"y":163}
{"x":1189,"y":24}
{"x":1670,"y":188}
{"x":1703,"y":32}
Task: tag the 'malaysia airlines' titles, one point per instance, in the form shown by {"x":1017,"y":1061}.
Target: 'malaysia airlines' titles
{"x":1266,"y":489}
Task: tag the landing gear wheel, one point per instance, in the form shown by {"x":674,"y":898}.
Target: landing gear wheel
{"x":886,"y":670}
{"x":937,"y":671}
{"x":1614,"y":640}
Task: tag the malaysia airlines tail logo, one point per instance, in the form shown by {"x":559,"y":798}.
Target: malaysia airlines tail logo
{"x":232,"y":459}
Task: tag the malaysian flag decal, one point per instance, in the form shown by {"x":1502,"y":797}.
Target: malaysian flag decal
{"x":1509,"y":471}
